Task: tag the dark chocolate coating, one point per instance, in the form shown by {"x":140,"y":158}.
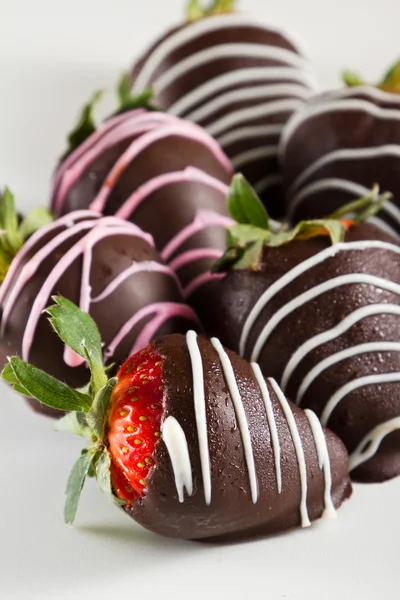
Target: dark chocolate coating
{"x":344,"y":124}
{"x":244,"y":32}
{"x":232,"y":513}
{"x":111,"y":256}
{"x":359,"y":412}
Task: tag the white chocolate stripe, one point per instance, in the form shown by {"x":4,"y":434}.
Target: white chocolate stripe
{"x":250,"y":75}
{"x":200,"y":411}
{"x":276,"y":448}
{"x":383,"y":226}
{"x":364,"y":90}
{"x":301,"y":268}
{"x":324,"y":462}
{"x":331,"y":334}
{"x":270,"y":181}
{"x":264,"y":93}
{"x":369,"y":446}
{"x":254,"y":155}
{"x":320,"y":108}
{"x":252,"y":113}
{"x":314,"y":292}
{"x":333,"y":359}
{"x":234,"y":392}
{"x":251,"y":132}
{"x":343,"y":185}
{"x":298,"y":446}
{"x":351,"y":386}
{"x":196,"y":29}
{"x":225,"y":51}
{"x":175,"y":440}
{"x":343,"y":155}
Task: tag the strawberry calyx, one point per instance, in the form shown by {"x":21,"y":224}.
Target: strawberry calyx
{"x":86,"y":123}
{"x":108,"y":412}
{"x":254,"y":230}
{"x":389,"y":83}
{"x":13,"y":231}
{"x":195,"y":9}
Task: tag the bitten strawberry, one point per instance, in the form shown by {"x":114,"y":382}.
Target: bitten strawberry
{"x":134,"y":421}
{"x":189,"y":438}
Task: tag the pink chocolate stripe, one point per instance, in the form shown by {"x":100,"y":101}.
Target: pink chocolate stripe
{"x":195,"y":255}
{"x":163,"y":311}
{"x":187,"y":130}
{"x":87,"y":242}
{"x":72,"y":158}
{"x":145,"y":266}
{"x":202,"y":220}
{"x":150,"y":187}
{"x":66,"y":221}
{"x":200,"y":281}
{"x":139,"y":124}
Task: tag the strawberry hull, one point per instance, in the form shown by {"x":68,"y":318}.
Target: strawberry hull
{"x":325,"y":322}
{"x":226,"y":466}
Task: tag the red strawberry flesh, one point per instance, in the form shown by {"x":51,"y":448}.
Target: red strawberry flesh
{"x":134,"y":423}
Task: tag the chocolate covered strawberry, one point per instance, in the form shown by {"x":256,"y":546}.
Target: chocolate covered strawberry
{"x":340,"y":144}
{"x":318,"y":306}
{"x":166,"y":175}
{"x":189,"y":439}
{"x":239,"y":79}
{"x":106,"y":265}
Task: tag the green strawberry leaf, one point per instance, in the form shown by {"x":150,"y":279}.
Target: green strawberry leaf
{"x":34,"y":220}
{"x":8,"y":374}
{"x":78,"y":331}
{"x":351,"y":79}
{"x":128,"y":102}
{"x":362,"y":209}
{"x":75,"y":423}
{"x":11,"y":240}
{"x":85,"y":126}
{"x":75,"y":485}
{"x":195,"y":9}
{"x":103,"y":477}
{"x":245,"y":206}
{"x":391,"y":80}
{"x":34,"y":383}
{"x":96,"y":417}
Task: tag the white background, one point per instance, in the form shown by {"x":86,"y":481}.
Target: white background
{"x":53,"y":54}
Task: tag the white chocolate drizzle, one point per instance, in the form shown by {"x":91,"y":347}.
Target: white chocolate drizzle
{"x":194,"y":30}
{"x":355,"y":384}
{"x":369,"y":445}
{"x":175,"y":440}
{"x":234,"y":393}
{"x":333,"y":359}
{"x":276,"y":448}
{"x":333,"y":333}
{"x":318,"y":290}
{"x":200,"y":411}
{"x":301,"y":268}
{"x":324,"y":462}
{"x":291,"y":421}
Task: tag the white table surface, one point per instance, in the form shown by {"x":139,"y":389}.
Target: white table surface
{"x":53,"y":54}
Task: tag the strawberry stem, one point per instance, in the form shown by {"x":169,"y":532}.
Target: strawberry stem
{"x":389,"y":83}
{"x":195,"y":9}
